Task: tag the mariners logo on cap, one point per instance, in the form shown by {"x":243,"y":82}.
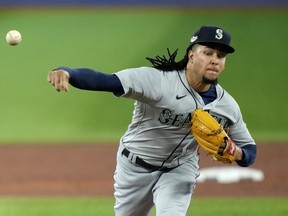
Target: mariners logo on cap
{"x":219,"y":34}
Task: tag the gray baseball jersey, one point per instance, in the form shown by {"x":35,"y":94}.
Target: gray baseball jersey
{"x":161,"y":119}
{"x":160,"y":135}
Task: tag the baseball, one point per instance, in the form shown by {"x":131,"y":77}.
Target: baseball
{"x":13,"y":37}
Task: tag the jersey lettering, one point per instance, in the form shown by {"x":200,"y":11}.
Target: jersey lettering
{"x":225,"y":123}
{"x":221,"y":121}
{"x":168,"y":117}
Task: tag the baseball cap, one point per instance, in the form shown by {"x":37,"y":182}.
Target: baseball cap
{"x":212,"y":36}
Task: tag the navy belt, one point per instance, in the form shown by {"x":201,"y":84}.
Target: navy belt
{"x":142,"y":163}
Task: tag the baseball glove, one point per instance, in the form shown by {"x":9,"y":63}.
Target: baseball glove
{"x":209,"y":134}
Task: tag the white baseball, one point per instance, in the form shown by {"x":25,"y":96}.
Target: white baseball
{"x":13,"y":37}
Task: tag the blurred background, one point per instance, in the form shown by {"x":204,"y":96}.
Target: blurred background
{"x":109,"y":36}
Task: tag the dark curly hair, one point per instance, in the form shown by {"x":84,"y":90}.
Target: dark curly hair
{"x":169,"y":64}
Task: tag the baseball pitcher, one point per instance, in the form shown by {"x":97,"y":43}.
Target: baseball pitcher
{"x":179,"y":108}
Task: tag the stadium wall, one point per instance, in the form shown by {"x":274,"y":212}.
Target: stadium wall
{"x":269,"y":4}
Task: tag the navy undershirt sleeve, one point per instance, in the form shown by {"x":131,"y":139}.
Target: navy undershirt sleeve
{"x":249,"y":155}
{"x":88,"y":79}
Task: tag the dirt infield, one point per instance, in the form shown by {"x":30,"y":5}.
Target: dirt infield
{"x":87,"y":170}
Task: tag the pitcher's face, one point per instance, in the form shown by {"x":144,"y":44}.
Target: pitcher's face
{"x":206,"y":63}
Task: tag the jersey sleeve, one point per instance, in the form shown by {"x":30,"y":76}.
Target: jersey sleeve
{"x":240,"y":134}
{"x":232,"y":120}
{"x":142,"y":84}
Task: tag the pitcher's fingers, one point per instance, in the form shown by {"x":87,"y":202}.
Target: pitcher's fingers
{"x":52,"y":77}
{"x":56,"y":80}
{"x":63,"y":82}
{"x":221,"y":148}
{"x":49,"y":76}
{"x":59,"y":79}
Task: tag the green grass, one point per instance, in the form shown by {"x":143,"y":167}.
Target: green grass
{"x":239,"y":206}
{"x":104,"y":206}
{"x":56,"y":206}
{"x":110,"y":40}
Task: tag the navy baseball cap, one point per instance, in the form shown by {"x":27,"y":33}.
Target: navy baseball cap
{"x":212,"y":36}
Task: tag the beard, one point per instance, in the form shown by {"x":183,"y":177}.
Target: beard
{"x":206,"y":80}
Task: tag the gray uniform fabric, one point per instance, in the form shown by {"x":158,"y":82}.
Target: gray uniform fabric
{"x":159,"y":134}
